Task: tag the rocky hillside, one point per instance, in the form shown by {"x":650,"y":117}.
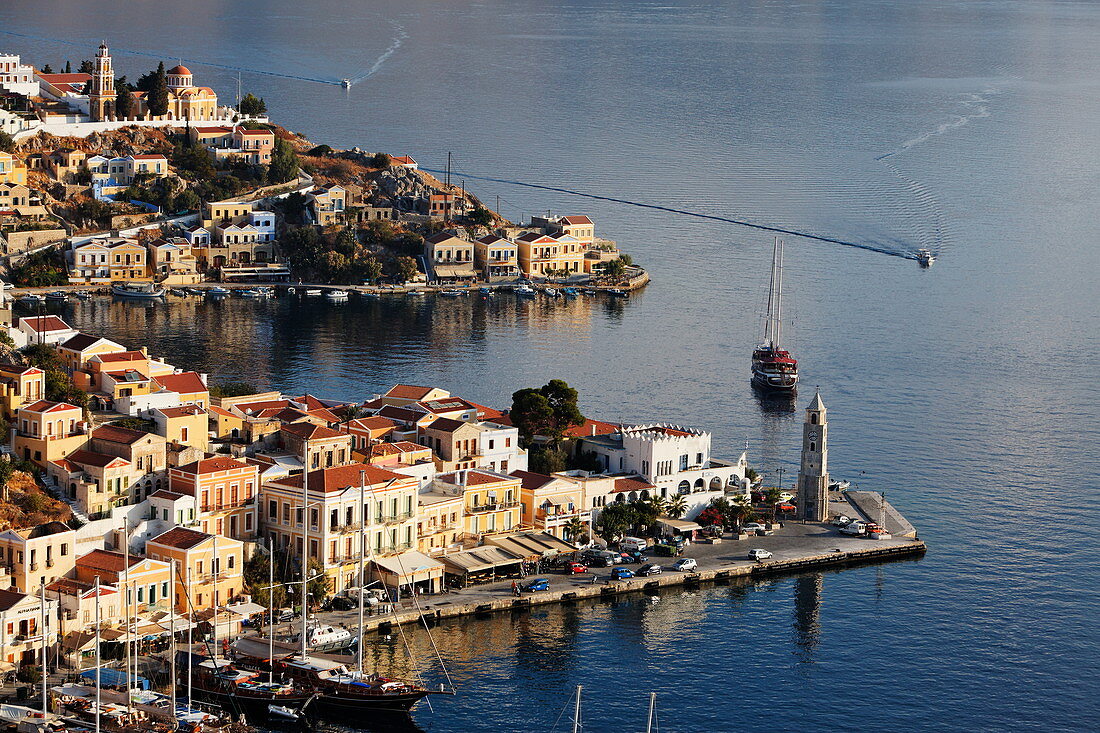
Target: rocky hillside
{"x":24,"y":504}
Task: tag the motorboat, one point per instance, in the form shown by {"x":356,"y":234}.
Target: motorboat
{"x":248,"y":293}
{"x":773,"y":367}
{"x":265,"y":292}
{"x":525,"y":291}
{"x":31,"y":299}
{"x":193,"y":291}
{"x":314,"y":292}
{"x":452,"y":293}
{"x":485,"y":292}
{"x":178,"y":292}
{"x":146,"y":291}
{"x":551,"y":292}
{"x":337,"y":295}
{"x":327,"y":638}
{"x":569,"y":292}
{"x":82,"y":294}
{"x":925,"y":258}
{"x":217,"y":291}
{"x":282,"y":712}
{"x":415,"y":292}
{"x":57,"y":295}
{"x":617,"y":293}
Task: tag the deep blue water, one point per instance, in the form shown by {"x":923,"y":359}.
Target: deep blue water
{"x":967,"y":392}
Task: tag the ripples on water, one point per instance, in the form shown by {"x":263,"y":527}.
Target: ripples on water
{"x":966,"y":392}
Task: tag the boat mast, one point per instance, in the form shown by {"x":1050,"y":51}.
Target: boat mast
{"x":577,"y":712}
{"x":649,"y":720}
{"x":305,"y":544}
{"x":172,"y":634}
{"x":190,"y":626}
{"x":362,"y":552}
{"x":769,"y":331}
{"x":271,"y":613}
{"x":214,"y":564}
{"x":97,"y":660}
{"x":779,"y":299}
{"x":126,"y":596}
{"x":45,"y":670}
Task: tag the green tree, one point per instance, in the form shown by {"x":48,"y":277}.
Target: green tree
{"x":772,"y":496}
{"x":480,"y":216}
{"x":47,"y":69}
{"x":548,"y":460}
{"x":576,"y":531}
{"x":405,"y":269}
{"x":257,"y":578}
{"x":614,"y":269}
{"x":86,"y":67}
{"x":320,"y":151}
{"x":317,"y":587}
{"x":372,"y":270}
{"x":284,"y":162}
{"x":252,"y":105}
{"x":626,"y":259}
{"x":381,"y":160}
{"x":124,"y":100}
{"x":676,"y":507}
{"x":193,"y":161}
{"x":531,"y":413}
{"x":232,"y":389}
{"x":157,"y":97}
{"x":186,"y":200}
{"x":7,"y":142}
{"x":645,"y":513}
{"x":659,"y":504}
{"x":68,"y":67}
{"x":616,"y":520}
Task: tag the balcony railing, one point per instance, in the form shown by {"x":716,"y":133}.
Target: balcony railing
{"x":496,"y":507}
{"x":399,"y":517}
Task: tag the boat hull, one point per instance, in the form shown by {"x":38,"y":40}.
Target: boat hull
{"x":333,"y":704}
{"x":774,"y":382}
{"x":140,"y":295}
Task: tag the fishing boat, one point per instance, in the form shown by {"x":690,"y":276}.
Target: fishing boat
{"x":452,"y":293}
{"x":146,"y":291}
{"x":217,"y":291}
{"x":178,"y":291}
{"x":773,"y":368}
{"x":569,"y":292}
{"x":925,"y":258}
{"x":551,"y":292}
{"x":414,"y":292}
{"x":57,"y":295}
{"x":337,"y":295}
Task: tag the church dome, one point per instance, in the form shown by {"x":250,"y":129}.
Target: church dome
{"x":180,"y":70}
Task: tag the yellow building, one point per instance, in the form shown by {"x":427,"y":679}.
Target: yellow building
{"x":37,"y":556}
{"x":11,"y":170}
{"x":46,"y":431}
{"x":543,"y":255}
{"x":226,"y":490}
{"x":199,"y":559}
{"x":440,"y":523}
{"x":97,"y":482}
{"x":551,"y":503}
{"x":78,"y":350}
{"x":19,"y":385}
{"x":128,"y":260}
{"x":146,"y":581}
{"x":490,"y":500}
{"x":185,"y":425}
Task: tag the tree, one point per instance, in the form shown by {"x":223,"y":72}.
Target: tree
{"x":317,"y":586}
{"x":740,"y":513}
{"x":372,"y":269}
{"x":347,"y":413}
{"x":406,"y":269}
{"x":194,"y":162}
{"x":320,"y":151}
{"x":548,"y":460}
{"x":232,"y":389}
{"x":86,"y":67}
{"x":531,"y":413}
{"x":659,"y":505}
{"x":157,"y":98}
{"x":186,"y":200}
{"x":480,"y":216}
{"x":614,"y":269}
{"x":252,"y":106}
{"x":7,"y":142}
{"x":576,"y":530}
{"x":710,"y":516}
{"x":626,"y":259}
{"x":772,"y":496}
{"x":615,"y":520}
{"x":381,"y":160}
{"x":47,"y":69}
{"x":257,"y":578}
{"x":677,"y":507}
{"x":68,"y":67}
{"x":124,"y":100}
{"x":284,"y":162}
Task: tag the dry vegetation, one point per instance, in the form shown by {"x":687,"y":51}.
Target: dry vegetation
{"x":26,"y":505}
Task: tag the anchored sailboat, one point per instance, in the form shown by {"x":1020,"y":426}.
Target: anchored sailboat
{"x":773,"y":368}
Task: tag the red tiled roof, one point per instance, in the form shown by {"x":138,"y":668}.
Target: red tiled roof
{"x":215,"y":130}
{"x":81,"y":341}
{"x":166,"y":494}
{"x":73,"y":78}
{"x":90,"y":458}
{"x":343,"y":477}
{"x":390,"y":449}
{"x":184,"y":383}
{"x":576,"y":220}
{"x":107,"y":561}
{"x":179,"y":70}
{"x":121,"y":356}
{"x":531,"y":480}
{"x":309,"y":431}
{"x":45,"y":323}
{"x":47,"y":406}
{"x":211,"y":465}
{"x":409,"y":391}
{"x":118,"y":434}
{"x":631,"y":484}
{"x":479,"y":478}
{"x":181,"y":538}
{"x":182,"y":411}
{"x":150,"y":156}
{"x":373,"y":423}
{"x":261,"y":405}
{"x":446,"y":425}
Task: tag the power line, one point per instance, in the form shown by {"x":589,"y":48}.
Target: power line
{"x":696,"y":214}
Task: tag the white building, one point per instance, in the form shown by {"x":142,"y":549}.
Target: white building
{"x":676,"y":460}
{"x":16,"y":76}
{"x":500,"y":449}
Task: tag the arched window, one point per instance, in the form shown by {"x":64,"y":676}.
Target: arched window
{"x":684,"y":487}
{"x":699,"y":485}
{"x":813,"y":419}
{"x":813,"y":447}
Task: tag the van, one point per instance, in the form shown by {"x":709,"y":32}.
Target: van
{"x":633,"y":544}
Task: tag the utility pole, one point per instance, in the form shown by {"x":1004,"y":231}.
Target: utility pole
{"x":45,"y":669}
{"x":97,"y":660}
{"x":305,"y":539}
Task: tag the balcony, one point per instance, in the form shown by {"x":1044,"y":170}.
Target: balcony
{"x":482,"y":508}
{"x":393,"y":518}
{"x":33,"y":567}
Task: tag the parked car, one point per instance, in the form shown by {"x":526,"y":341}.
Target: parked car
{"x":785,"y":496}
{"x":633,"y":544}
{"x":575,"y":568}
{"x":536,"y":585}
{"x":786,"y":508}
{"x":854,"y":529}
{"x":758,"y":554}
{"x":649,"y":569}
{"x":841,"y":520}
{"x":685,"y":565}
{"x":621,"y":574}
{"x":339,"y":603}
{"x":751,"y":527}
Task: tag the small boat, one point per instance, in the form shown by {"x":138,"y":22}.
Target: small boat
{"x":369,"y":294}
{"x":217,"y":291}
{"x":314,"y":292}
{"x":485,"y":292}
{"x":282,"y":712}
{"x":57,"y":295}
{"x":525,"y":291}
{"x":31,"y":299}
{"x":569,"y":292}
{"x":146,"y":291}
{"x":266,"y":292}
{"x":327,"y":638}
{"x":415,"y":292}
{"x":925,"y":258}
{"x":617,"y":293}
{"x":193,"y":291}
{"x":551,"y":292}
{"x":291,"y":291}
{"x":452,"y":293}
{"x":337,"y":295}
{"x":773,"y":367}
{"x":248,"y":293}
{"x":177,"y":291}
{"x":591,"y":292}
{"x":82,"y":294}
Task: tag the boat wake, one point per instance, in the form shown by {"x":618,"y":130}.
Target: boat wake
{"x":399,"y":38}
{"x":976,"y":106}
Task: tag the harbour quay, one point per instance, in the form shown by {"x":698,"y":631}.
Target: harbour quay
{"x":795,"y":547}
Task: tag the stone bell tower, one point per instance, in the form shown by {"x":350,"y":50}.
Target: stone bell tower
{"x":813,"y":473}
{"x":101,"y":96}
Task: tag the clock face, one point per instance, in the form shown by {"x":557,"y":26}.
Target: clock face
{"x":812,"y":434}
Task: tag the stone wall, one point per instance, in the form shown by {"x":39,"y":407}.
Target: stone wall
{"x":19,"y":242}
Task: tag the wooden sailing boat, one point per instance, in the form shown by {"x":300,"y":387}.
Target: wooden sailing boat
{"x":773,"y":368}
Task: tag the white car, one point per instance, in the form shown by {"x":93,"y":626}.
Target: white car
{"x":786,"y":496}
{"x":854,"y":528}
{"x":685,"y":565}
{"x":751,"y":528}
{"x":759,"y":554}
{"x":841,"y":521}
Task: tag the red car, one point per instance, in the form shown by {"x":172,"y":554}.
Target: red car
{"x":576,"y":567}
{"x":786,"y":508}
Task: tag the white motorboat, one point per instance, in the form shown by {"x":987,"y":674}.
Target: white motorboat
{"x":327,"y":638}
{"x":525,"y":291}
{"x":283,"y":712}
{"x":313,"y":292}
{"x":147,"y":291}
{"x":337,"y":295}
{"x":31,"y":299}
{"x":925,"y":258}
{"x":217,"y":291}
{"x":451,"y":293}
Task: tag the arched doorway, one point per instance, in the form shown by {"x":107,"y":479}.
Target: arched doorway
{"x":684,"y":487}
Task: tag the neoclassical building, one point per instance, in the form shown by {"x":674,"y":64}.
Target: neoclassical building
{"x":185,"y":100}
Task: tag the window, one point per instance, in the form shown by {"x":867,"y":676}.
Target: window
{"x":64,"y":548}
{"x":698,"y":459}
{"x":683,"y":462}
{"x":231,"y":560}
{"x":273,"y":509}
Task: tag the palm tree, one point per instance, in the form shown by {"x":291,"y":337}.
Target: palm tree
{"x":575,"y":528}
{"x":677,"y":507}
{"x":347,"y":413}
{"x":658,"y":504}
{"x":772,"y":495}
{"x":740,"y":512}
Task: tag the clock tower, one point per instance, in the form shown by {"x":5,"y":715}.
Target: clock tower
{"x":813,"y":473}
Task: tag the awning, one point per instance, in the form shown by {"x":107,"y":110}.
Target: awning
{"x":478,"y":560}
{"x":465,"y":270}
{"x":245,"y":608}
{"x":532,"y":545}
{"x":409,"y":565}
{"x":680,"y":525}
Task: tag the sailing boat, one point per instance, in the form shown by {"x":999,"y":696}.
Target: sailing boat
{"x":773,"y":368}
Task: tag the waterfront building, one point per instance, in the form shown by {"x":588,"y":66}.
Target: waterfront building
{"x":387,"y":517}
{"x":22,"y":627}
{"x":172,"y":261}
{"x":542,"y":255}
{"x":316,"y":446}
{"x":199,"y":559}
{"x":46,"y":431}
{"x":440,"y":522}
{"x":450,"y":257}
{"x":405,"y":394}
{"x":550,"y":503}
{"x":78,"y":350}
{"x":813,"y":471}
{"x":46,"y":329}
{"x":128,"y":260}
{"x":490,"y":500}
{"x":35,"y":556}
{"x":184,"y":425}
{"x":675,"y":460}
{"x":496,"y":257}
{"x":19,"y":385}
{"x":226,"y":490}
{"x":234,"y":234}
{"x":90,"y":263}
